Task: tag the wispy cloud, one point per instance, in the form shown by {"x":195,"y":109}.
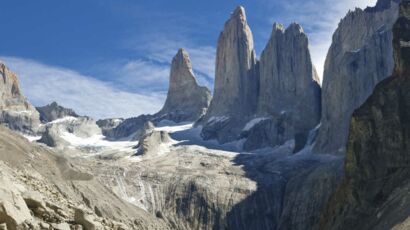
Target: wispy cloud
{"x":43,"y":84}
{"x":319,"y":19}
{"x":161,"y":51}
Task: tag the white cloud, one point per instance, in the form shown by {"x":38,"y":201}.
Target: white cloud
{"x":142,"y":75}
{"x":319,"y":18}
{"x":43,"y":84}
{"x":163,"y":50}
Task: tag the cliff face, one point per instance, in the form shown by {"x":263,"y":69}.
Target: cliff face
{"x":288,"y":80}
{"x":374,"y":192}
{"x":361,"y":55}
{"x":186,"y":100}
{"x":277,"y":90}
{"x":15,"y":111}
{"x":235,"y":82}
{"x":289,"y":92}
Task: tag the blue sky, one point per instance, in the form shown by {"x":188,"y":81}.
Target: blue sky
{"x":110,"y":58}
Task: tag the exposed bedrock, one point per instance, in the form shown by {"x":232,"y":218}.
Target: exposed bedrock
{"x":284,"y":81}
{"x":375,"y":189}
{"x":15,"y":111}
{"x":361,"y":55}
{"x":54,"y":111}
{"x":186,"y":100}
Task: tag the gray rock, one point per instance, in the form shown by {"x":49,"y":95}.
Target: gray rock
{"x":236,"y":80}
{"x":54,"y":111}
{"x":129,"y":127}
{"x":61,"y":226}
{"x":82,"y":127}
{"x":15,"y":111}
{"x":360,"y":56}
{"x":107,"y":125}
{"x":288,"y":80}
{"x":150,"y":143}
{"x":87,"y":220}
{"x":268,"y":132}
{"x":284,"y":81}
{"x":13,"y":209}
{"x":186,"y":100}
{"x":374,"y":193}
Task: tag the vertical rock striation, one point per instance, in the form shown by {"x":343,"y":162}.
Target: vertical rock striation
{"x":186,"y":100}
{"x":262,"y":102}
{"x":374,"y":193}
{"x":360,"y":56}
{"x":235,"y":81}
{"x":288,"y":87}
{"x":15,"y":111}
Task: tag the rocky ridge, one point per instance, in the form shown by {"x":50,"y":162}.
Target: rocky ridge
{"x":374,"y":192}
{"x":361,"y":55}
{"x":53,"y":112}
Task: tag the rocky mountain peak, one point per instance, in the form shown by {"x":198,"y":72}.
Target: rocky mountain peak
{"x":54,"y":111}
{"x":10,"y":79}
{"x":295,"y":28}
{"x":186,"y":100}
{"x":277,"y":27}
{"x":239,"y":13}
{"x":182,"y":74}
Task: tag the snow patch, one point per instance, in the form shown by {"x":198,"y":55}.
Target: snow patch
{"x":64,"y":119}
{"x":99,"y":141}
{"x":174,"y":128}
{"x":214,"y":120}
{"x":253,"y":122}
{"x":32,"y":138}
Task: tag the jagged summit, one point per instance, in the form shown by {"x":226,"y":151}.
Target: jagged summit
{"x":296,"y":28}
{"x":278,"y":27}
{"x":54,"y":111}
{"x":293,"y":28}
{"x":186,"y":100}
{"x":239,"y":12}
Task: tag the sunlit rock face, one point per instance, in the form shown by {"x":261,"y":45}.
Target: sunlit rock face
{"x":361,"y":55}
{"x":15,"y":111}
{"x":374,"y":193}
{"x":186,"y":100}
{"x":283,"y":82}
{"x":235,"y":81}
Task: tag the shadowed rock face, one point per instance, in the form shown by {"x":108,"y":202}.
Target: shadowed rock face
{"x":374,"y":192}
{"x":53,"y":112}
{"x":235,"y":80}
{"x":288,"y":80}
{"x":186,"y":100}
{"x":15,"y":111}
{"x":288,"y":90}
{"x":361,"y":55}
